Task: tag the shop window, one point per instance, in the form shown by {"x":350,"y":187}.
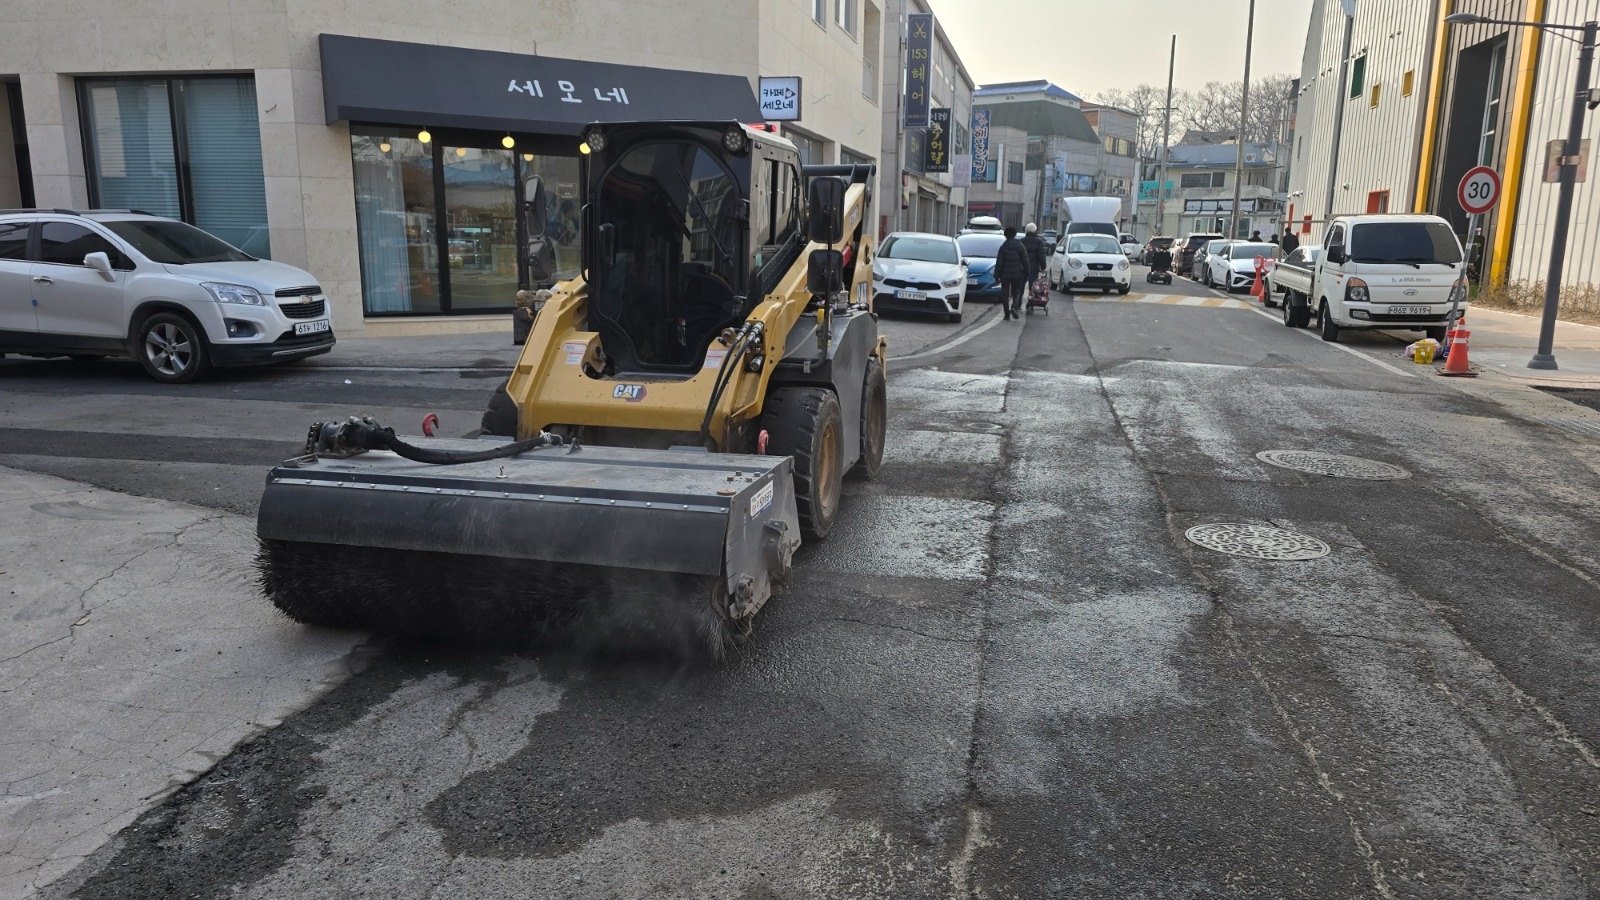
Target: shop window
{"x":438,"y":223}
{"x":1358,"y":76}
{"x":187,"y":148}
{"x":1408,"y":82}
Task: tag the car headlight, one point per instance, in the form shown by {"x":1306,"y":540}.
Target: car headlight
{"x":1122,"y":266}
{"x":877,"y":275}
{"x":1074,"y":262}
{"x":1355,"y":291}
{"x":953,"y":282}
{"x":234,"y":293}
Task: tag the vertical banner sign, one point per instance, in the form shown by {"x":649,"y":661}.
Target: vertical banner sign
{"x":939,"y":140}
{"x":980,"y":146}
{"x":919,"y":57}
{"x":917,"y":150}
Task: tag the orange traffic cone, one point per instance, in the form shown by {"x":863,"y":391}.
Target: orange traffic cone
{"x":1455,"y":361}
{"x":1259,"y":289}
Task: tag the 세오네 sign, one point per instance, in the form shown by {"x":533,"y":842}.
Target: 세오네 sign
{"x":780,"y":98}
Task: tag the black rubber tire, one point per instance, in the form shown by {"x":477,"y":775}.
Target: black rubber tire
{"x":799,"y":422}
{"x":171,"y":348}
{"x":1297,"y":315}
{"x":500,"y":419}
{"x":1125,"y":289}
{"x":1437,"y":332}
{"x":1328,"y":328}
{"x":874,"y":422}
{"x":953,"y":318}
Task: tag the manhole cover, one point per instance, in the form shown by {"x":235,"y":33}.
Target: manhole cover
{"x":1257,"y":542}
{"x":1332,"y":464}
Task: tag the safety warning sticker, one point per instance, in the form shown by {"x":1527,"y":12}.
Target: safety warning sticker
{"x":576,"y":351}
{"x":715,"y":356}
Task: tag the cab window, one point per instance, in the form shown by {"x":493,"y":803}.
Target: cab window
{"x":67,"y":243}
{"x":14,"y":240}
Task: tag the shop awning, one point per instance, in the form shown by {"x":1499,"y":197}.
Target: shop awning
{"x":394,"y":82}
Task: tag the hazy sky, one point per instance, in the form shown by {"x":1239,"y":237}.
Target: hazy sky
{"x":1088,"y":46}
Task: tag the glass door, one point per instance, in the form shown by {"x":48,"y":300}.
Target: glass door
{"x":480,"y":215}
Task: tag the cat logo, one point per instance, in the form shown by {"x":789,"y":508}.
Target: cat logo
{"x":632,"y":393}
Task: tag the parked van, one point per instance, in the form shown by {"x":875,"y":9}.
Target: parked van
{"x":1091,"y":215}
{"x":1387,"y":271}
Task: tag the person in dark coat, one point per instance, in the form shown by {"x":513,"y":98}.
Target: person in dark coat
{"x":1255,"y":237}
{"x":1011,"y":270}
{"x":1290,"y":242}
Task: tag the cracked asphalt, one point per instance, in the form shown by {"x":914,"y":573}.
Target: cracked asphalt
{"x":1006,"y":675}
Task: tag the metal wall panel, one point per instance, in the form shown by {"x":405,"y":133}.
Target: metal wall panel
{"x":1548,"y":118}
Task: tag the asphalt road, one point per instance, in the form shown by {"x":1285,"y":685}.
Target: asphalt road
{"x":1007,"y":675}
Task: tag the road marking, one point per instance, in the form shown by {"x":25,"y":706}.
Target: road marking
{"x":1167,"y":300}
{"x":1350,"y":350}
{"x":956,"y":342}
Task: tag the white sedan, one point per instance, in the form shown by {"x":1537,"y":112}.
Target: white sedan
{"x":1233,"y":267}
{"x":920,"y":273}
{"x":1088,"y":261}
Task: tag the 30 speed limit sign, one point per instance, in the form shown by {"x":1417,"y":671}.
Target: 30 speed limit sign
{"x":1479,"y":190}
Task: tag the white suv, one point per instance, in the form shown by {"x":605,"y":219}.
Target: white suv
{"x":126,"y":283}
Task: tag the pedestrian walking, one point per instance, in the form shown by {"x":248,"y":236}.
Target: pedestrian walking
{"x":1034,"y":244}
{"x":1255,"y":237}
{"x":1011,"y":270}
{"x":1290,"y":242}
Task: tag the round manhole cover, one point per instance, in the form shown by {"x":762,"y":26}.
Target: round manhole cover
{"x":1257,"y":542}
{"x":1332,"y":465}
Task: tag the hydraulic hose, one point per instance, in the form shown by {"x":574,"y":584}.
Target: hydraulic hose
{"x":730,"y":364}
{"x":365,"y":433}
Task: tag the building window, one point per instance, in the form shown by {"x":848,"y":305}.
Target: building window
{"x":1378,"y":201}
{"x":437,"y":223}
{"x":1377,"y":90}
{"x":186,"y":148}
{"x":844,"y":13}
{"x":819,"y":12}
{"x":1491,"y":106}
{"x":1358,"y":76}
{"x":1408,"y":82}
{"x":1194,"y":180}
{"x":1013,"y":173}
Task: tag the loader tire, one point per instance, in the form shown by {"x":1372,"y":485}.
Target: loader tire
{"x":500,"y":418}
{"x":806,"y":424}
{"x":874,"y":421}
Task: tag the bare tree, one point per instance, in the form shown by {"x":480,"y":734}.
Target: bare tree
{"x":1147,"y":102}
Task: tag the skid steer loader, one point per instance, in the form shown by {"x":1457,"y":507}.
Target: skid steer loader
{"x":679,"y":416}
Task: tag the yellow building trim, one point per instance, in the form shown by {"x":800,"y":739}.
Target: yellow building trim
{"x":1517,"y":146}
{"x":1430,"y":125}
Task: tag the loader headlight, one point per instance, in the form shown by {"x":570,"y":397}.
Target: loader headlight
{"x":233,"y":293}
{"x":735,"y":140}
{"x":596,"y":139}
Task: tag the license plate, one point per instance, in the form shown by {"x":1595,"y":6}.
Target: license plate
{"x":911,"y":295}
{"x":1409,"y":310}
{"x":317,"y":327}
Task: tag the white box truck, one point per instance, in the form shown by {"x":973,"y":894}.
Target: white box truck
{"x":1090,"y":214}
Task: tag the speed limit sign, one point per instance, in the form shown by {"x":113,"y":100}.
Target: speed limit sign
{"x":1479,"y":190}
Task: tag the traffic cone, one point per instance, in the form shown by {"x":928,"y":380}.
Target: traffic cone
{"x":1455,"y":361}
{"x":1257,"y":290}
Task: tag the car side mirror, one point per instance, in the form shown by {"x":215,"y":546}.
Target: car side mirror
{"x":101,"y":263}
{"x":825,"y":210}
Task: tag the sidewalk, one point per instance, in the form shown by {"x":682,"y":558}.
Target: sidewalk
{"x":1503,"y":342}
{"x":135,"y":651}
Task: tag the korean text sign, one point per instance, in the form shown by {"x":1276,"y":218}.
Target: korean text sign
{"x":919,"y":60}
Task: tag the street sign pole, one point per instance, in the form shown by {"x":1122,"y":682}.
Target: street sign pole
{"x":1477,"y":193}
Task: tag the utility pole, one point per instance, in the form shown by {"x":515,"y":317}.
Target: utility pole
{"x":1166,"y":143}
{"x":1244,"y":121}
{"x":1339,"y":101}
{"x":1544,"y":357}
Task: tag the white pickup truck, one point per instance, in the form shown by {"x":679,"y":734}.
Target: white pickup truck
{"x":1380,"y":271}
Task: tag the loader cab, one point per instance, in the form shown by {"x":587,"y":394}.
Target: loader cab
{"x":689,"y":227}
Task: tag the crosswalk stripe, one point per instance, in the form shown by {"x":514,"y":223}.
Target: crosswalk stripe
{"x":1166,"y":300}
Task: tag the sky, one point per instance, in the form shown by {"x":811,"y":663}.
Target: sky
{"x":1088,"y":46}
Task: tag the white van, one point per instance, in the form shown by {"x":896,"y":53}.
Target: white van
{"x":1092,"y":215}
{"x":1387,"y":271}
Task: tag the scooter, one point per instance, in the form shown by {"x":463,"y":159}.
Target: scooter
{"x":1160,"y":268}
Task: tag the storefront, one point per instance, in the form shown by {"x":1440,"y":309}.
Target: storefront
{"x":442,"y":140}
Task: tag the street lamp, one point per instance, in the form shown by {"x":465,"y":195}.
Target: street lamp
{"x":1583,"y":99}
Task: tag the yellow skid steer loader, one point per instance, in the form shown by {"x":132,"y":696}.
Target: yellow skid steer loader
{"x":680,"y":415}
